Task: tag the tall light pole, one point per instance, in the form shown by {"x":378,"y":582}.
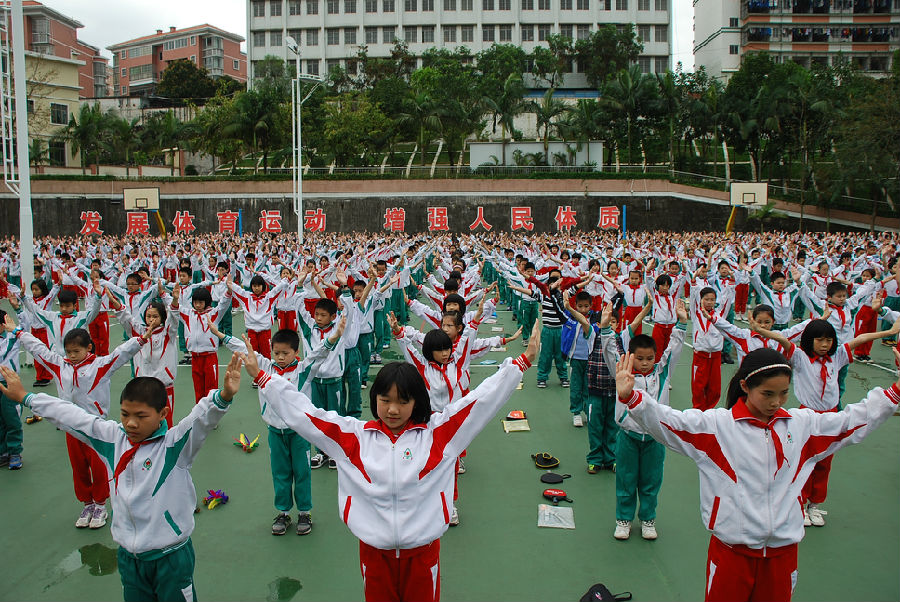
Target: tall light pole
{"x":296,"y":103}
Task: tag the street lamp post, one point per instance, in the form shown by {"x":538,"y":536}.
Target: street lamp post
{"x":296,"y":103}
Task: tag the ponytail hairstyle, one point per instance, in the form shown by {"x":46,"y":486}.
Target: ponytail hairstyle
{"x":757,"y":366}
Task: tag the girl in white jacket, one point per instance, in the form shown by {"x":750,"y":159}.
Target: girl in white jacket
{"x":754,"y":459}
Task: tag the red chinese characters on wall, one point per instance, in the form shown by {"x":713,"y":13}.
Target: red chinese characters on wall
{"x":184,"y":222}
{"x":480,"y":221}
{"x":314,"y":221}
{"x":137,"y":223}
{"x":270,"y":221}
{"x":437,"y":219}
{"x":609,"y":218}
{"x":565,"y":218}
{"x":91,"y":223}
{"x":227,"y":221}
{"x":395,"y":219}
{"x":520,"y":219}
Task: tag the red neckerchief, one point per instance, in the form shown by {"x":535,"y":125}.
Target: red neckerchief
{"x":289,"y":368}
{"x":705,"y":322}
{"x":442,"y":368}
{"x":840,"y":311}
{"x":90,"y":357}
{"x":824,"y":360}
{"x":323,"y":331}
{"x":127,"y":457}
{"x":740,"y":412}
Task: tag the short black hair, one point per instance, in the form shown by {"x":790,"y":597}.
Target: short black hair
{"x":288,"y":337}
{"x":258,"y":280}
{"x":435,"y":340}
{"x":455,"y":298}
{"x":834,"y":288}
{"x":763,"y":308}
{"x":663,"y":280}
{"x":185,"y":270}
{"x":776,"y":276}
{"x":410,"y":385}
{"x":222,"y":264}
{"x":160,"y":309}
{"x":146,"y":390}
{"x":78,"y":336}
{"x":328,"y":305}
{"x":67,"y":296}
{"x":360,"y":283}
{"x":583,"y":296}
{"x":641,"y":341}
{"x":451,"y":284}
{"x":707,"y":290}
{"x":201,"y":294}
{"x":529,"y":266}
{"x":817,"y":329}
{"x":134,"y":276}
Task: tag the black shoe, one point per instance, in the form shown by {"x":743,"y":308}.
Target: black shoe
{"x":281,"y":523}
{"x":726,"y":359}
{"x":304,"y":523}
{"x":185,"y":361}
{"x":332,"y":463}
{"x":317,"y":461}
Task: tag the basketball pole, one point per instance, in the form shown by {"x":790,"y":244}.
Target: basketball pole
{"x":26,"y":217}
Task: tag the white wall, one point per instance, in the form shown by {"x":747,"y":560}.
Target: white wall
{"x":481,"y":153}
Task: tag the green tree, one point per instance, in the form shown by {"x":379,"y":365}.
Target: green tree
{"x":37,"y":152}
{"x":182,"y":79}
{"x":124,"y":136}
{"x":582,"y":123}
{"x":162,"y":133}
{"x":546,"y":113}
{"x":552,"y":61}
{"x":422,"y":113}
{"x":83,"y":133}
{"x":505,"y":104}
{"x":353,"y":126}
{"x":607,"y":51}
{"x":629,"y":95}
{"x":262,"y":120}
{"x":274,"y":75}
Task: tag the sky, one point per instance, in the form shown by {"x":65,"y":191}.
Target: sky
{"x":107,"y":23}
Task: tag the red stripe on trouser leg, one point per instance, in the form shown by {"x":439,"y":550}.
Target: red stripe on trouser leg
{"x":629,"y":314}
{"x":413,"y":577}
{"x":287,"y":320}
{"x":731,"y":575}
{"x":661,"y":335}
{"x":815,"y":489}
{"x":866,"y":321}
{"x":456,"y":481}
{"x":170,"y":403}
{"x":310,"y":305}
{"x":205,"y":372}
{"x":89,"y":475}
{"x":99,"y":331}
{"x":41,"y":373}
{"x":741,"y":294}
{"x":706,"y":379}
{"x":260,"y":340}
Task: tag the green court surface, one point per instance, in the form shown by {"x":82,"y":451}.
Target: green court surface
{"x":497,"y":552}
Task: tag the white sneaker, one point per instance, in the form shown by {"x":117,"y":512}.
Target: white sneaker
{"x":623,"y":529}
{"x":577,"y":420}
{"x":816,"y":515}
{"x":461,"y":467}
{"x":98,"y":516}
{"x":317,"y":461}
{"x":85,"y":518}
{"x":648,"y":529}
{"x":806,"y":520}
{"x":454,"y":517}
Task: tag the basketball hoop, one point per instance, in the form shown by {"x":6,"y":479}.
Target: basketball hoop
{"x":141,"y":199}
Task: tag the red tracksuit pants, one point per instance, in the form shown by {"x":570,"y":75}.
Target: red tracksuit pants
{"x":287,"y":320}
{"x":661,"y":335}
{"x":866,"y":321}
{"x":205,"y":372}
{"x":741,"y":294}
{"x":89,"y":474}
{"x":629,"y":313}
{"x":413,"y":577}
{"x":170,"y":403}
{"x":739,"y":574}
{"x":261,"y":341}
{"x":815,"y":489}
{"x":706,"y":379}
{"x":40,"y":372}
{"x":99,"y":331}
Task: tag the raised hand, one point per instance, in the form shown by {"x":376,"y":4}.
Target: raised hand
{"x":231,"y":382}
{"x":392,"y":322}
{"x":250,"y":361}
{"x":681,"y":311}
{"x":14,"y":388}
{"x":625,"y":376}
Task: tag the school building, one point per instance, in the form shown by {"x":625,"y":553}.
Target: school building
{"x":330,"y":32}
{"x":808,"y":32}
{"x":139,"y":63}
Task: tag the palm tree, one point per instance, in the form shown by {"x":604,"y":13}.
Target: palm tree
{"x":37,"y":152}
{"x":545,"y":112}
{"x":765,"y":213}
{"x":84,"y":133}
{"x":629,"y":95}
{"x":670,"y":102}
{"x":422,"y":113}
{"x":124,"y":138}
{"x":506,"y":105}
{"x":582,"y":123}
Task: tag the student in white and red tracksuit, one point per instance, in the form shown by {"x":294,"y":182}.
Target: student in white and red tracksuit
{"x":395,"y":473}
{"x":83,"y":378}
{"x":706,"y":366}
{"x":201,"y":342}
{"x":754,"y":457}
{"x":258,"y":306}
{"x":746,"y":340}
{"x":816,"y":367}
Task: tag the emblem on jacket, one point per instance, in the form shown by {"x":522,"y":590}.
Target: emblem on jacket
{"x":147,"y":464}
{"x":407,"y":454}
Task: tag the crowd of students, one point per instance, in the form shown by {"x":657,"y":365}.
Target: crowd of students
{"x":337,"y":302}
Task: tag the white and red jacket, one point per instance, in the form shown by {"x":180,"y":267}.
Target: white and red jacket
{"x":395,"y":492}
{"x":751,"y":472}
{"x":746,"y":340}
{"x":159,"y":356}
{"x":258,"y":309}
{"x":58,"y":325}
{"x":86,"y":383}
{"x":197,"y":335}
{"x":816,"y":378}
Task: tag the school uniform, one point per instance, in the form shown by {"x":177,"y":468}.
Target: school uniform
{"x":258,"y":312}
{"x":10,"y":412}
{"x":706,"y":364}
{"x":153,"y":496}
{"x":780,"y":301}
{"x":57,"y":324}
{"x":578,"y":362}
{"x":601,"y":404}
{"x":202,"y":344}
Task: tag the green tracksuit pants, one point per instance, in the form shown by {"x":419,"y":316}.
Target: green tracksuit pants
{"x":351,"y":401}
{"x":602,"y":429}
{"x":639,"y":473}
{"x":168,"y":578}
{"x":382,"y":331}
{"x":578,"y":391}
{"x":551,"y":352}
{"x":325,"y":393}
{"x":528,"y":314}
{"x":10,"y":425}
{"x":365,"y":349}
{"x":289,"y":458}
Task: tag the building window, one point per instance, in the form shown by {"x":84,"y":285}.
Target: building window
{"x":59,"y":114}
{"x":312,"y":37}
{"x":236,"y":65}
{"x":621,"y":4}
{"x":504,"y":4}
{"x":543,"y":33}
{"x":565,"y":4}
{"x":371,"y":35}
{"x":543,"y":4}
{"x":466,"y":5}
{"x":349,"y":35}
{"x":733,"y":22}
{"x":583,"y":5}
{"x":333,"y":7}
{"x":259,"y":39}
{"x":527,"y":4}
{"x":331,"y":64}
{"x":566,"y":30}
{"x":56,"y":152}
{"x":349,"y":6}
{"x":175,"y":44}
{"x":733,"y":49}
{"x":312,"y":7}
{"x":139,"y":51}
{"x":193,"y":40}
{"x":140,"y":72}
{"x":643,"y":32}
{"x":644,"y":64}
{"x":29,"y":106}
{"x":259,"y":9}
{"x":293,"y":7}
{"x":506,"y":33}
{"x":449,"y":34}
{"x":371,"y":6}
{"x":124,"y":90}
{"x":487,"y":4}
{"x":487,"y":33}
{"x":351,"y":66}
{"x":662,"y":33}
{"x":124,"y":71}
{"x":409,"y":34}
{"x":643,"y":4}
{"x":428,"y":34}
{"x":661,"y":64}
{"x":274,"y":39}
{"x":449,"y":4}
{"x":528,"y":33}
{"x":275,"y":8}
{"x":333,"y":36}
{"x":468,"y":33}
{"x":194,"y":58}
{"x":387,"y":35}
{"x":312,"y":66}
{"x":409,"y":6}
{"x":387,"y":6}
{"x":584,"y":32}
{"x":662,"y":5}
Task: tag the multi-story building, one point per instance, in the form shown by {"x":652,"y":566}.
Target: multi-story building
{"x":807,"y":32}
{"x":139,"y":63}
{"x":330,"y":32}
{"x":52,"y":33}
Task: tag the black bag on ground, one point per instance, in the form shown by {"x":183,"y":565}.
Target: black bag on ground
{"x":600,"y":593}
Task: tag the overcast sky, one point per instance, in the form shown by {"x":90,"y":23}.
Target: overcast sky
{"x":107,"y":23}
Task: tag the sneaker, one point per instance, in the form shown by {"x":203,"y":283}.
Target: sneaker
{"x":363,"y":385}
{"x":376,"y":359}
{"x":185,"y":361}
{"x":33,"y":419}
{"x":623,"y":529}
{"x":304,"y":523}
{"x":332,"y":463}
{"x":15,"y":461}
{"x":254,"y":385}
{"x":41,"y":383}
{"x":609,"y":467}
{"x":577,"y":420}
{"x":806,"y":520}
{"x":461,"y":467}
{"x":317,"y":461}
{"x":592,"y":469}
{"x":85,"y":518}
{"x":816,"y":515}
{"x":648,"y":529}
{"x":542,"y":384}
{"x":454,"y":517}
{"x":726,"y":359}
{"x":386,"y":346}
{"x":281,"y":523}
{"x":564,"y":383}
{"x":98,"y":516}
